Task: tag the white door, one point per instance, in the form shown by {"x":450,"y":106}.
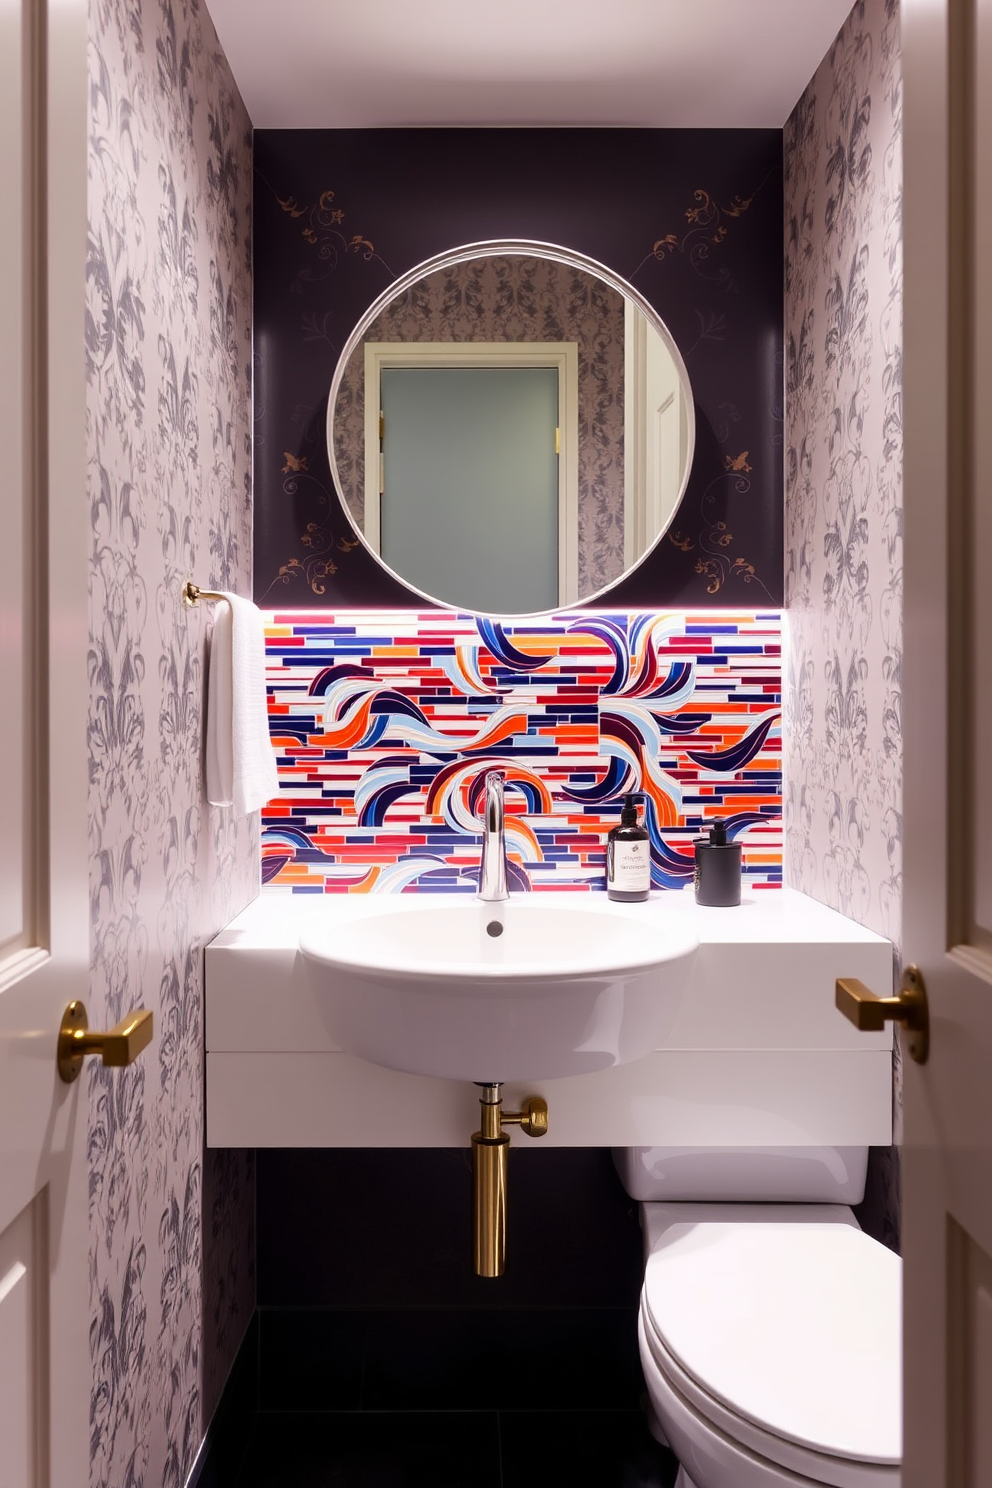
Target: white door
{"x":472,"y":452}
{"x":44,"y":937}
{"x":947,"y":53}
{"x":479,"y":464}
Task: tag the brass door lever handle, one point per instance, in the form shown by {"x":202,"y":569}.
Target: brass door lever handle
{"x":870,"y":1013}
{"x":120,"y":1046}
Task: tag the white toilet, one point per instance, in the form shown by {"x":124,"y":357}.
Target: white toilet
{"x":770,"y":1324}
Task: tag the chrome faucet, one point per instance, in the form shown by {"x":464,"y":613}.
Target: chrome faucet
{"x":492,"y":868}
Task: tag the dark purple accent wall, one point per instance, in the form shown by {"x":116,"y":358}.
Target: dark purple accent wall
{"x":692,"y":218}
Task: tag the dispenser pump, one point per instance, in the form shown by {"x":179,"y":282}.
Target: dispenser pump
{"x":718,"y":832}
{"x":628,"y":812}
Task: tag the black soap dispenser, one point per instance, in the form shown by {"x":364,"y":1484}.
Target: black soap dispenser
{"x":718,"y":867}
{"x":628,"y":857}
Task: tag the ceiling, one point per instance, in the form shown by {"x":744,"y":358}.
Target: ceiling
{"x":327,"y":64}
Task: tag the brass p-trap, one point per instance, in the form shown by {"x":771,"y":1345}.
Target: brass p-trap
{"x":490,"y":1150}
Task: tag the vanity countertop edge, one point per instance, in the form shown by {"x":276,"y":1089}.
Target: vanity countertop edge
{"x":758,"y":1053}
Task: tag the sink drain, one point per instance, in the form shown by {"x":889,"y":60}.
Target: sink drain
{"x":494,"y":928}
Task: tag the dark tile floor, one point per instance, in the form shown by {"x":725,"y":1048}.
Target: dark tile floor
{"x":449,"y":1399}
{"x":454,"y":1449}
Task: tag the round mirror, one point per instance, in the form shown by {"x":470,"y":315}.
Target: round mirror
{"x":511,"y":428}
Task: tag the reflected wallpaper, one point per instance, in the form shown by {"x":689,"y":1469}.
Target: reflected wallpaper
{"x":168,"y":343}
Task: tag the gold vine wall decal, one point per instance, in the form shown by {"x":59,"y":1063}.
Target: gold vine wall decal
{"x":708,"y":228}
{"x":321,"y":228}
{"x":318,"y":536}
{"x":715,"y":562}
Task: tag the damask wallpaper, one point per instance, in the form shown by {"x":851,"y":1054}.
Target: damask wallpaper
{"x":692,"y":218}
{"x":843,"y":496}
{"x":168,"y":343}
{"x":518,"y":299}
{"x":843,"y":179}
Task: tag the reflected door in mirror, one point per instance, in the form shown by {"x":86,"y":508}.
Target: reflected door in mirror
{"x":470,"y":452}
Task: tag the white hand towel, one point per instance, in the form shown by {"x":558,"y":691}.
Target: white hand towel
{"x":241,"y":767}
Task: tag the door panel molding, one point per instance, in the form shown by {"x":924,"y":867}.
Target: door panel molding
{"x":969,"y":1359}
{"x":24,"y":1407}
{"x":975,"y":959}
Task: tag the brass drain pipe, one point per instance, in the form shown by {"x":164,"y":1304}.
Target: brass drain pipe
{"x":490,"y":1148}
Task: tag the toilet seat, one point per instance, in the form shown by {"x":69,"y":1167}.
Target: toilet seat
{"x":719,"y":1449}
{"x":760,"y":1328}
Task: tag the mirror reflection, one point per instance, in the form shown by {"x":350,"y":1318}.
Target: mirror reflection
{"x":510,"y":427}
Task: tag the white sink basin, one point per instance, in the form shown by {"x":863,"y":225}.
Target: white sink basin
{"x":532,"y":988}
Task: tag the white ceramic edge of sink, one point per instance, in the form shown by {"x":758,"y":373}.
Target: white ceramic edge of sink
{"x":275,"y":919}
{"x":676,"y":936}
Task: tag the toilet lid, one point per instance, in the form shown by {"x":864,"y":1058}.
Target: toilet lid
{"x":795,"y":1327}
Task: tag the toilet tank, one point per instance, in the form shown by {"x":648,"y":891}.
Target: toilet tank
{"x":796,"y":1175}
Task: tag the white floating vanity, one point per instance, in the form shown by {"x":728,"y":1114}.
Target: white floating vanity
{"x":756,"y":1054}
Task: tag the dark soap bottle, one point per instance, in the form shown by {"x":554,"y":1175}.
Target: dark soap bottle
{"x":628,"y":857}
{"x":718,"y":867}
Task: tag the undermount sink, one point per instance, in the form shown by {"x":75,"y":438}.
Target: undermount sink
{"x":533,"y":987}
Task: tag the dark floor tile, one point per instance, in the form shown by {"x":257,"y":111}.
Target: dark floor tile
{"x":478,"y":1359}
{"x":310,"y":1360}
{"x":582,"y":1449}
{"x":371,"y":1449}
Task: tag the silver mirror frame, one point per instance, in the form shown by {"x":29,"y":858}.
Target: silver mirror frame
{"x":505,"y":248}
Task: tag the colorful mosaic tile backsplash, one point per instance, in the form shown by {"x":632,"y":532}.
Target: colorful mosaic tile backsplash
{"x":385,"y":724}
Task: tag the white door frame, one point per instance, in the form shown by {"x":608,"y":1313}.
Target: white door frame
{"x":561,"y":355}
{"x":947,"y":387}
{"x":45,"y":961}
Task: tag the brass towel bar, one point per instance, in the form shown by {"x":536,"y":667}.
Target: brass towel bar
{"x":192,"y":594}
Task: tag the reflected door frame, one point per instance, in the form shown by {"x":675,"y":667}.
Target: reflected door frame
{"x":655,"y":436}
{"x":562,"y":356}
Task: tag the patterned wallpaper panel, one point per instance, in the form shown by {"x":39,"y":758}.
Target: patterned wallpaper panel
{"x":843,"y":168}
{"x":517,"y":299}
{"x":691,"y":217}
{"x":385,"y":724}
{"x":843,"y":515}
{"x":168,"y":345}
